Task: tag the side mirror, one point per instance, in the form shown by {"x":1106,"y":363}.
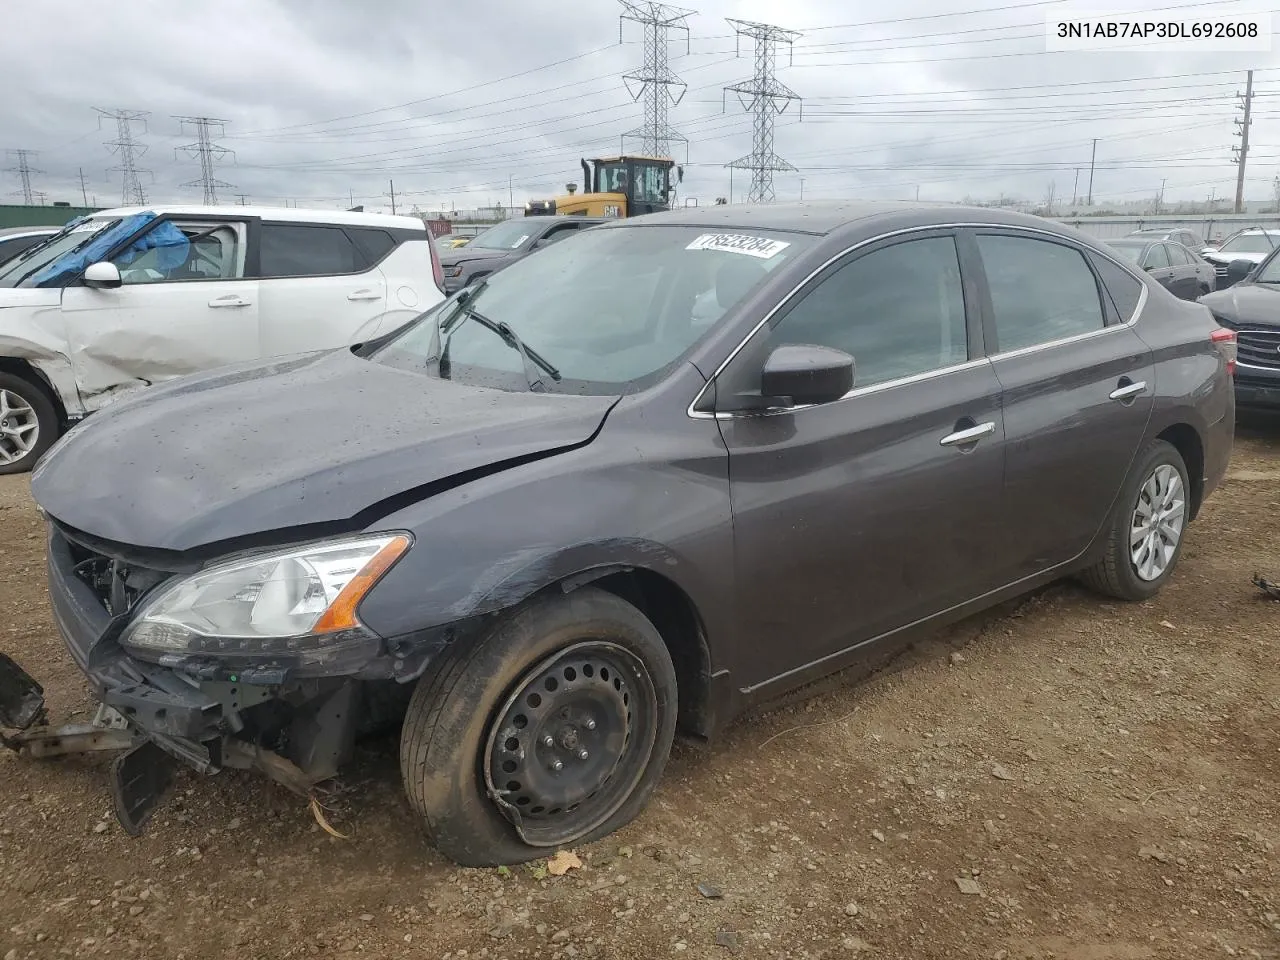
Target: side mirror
{"x":807,"y":374}
{"x":102,"y":276}
{"x":1237,"y":270}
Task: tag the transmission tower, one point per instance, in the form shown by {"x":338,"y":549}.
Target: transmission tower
{"x":655,"y":81}
{"x":24,"y":170}
{"x":128,"y":149}
{"x":765,"y":97}
{"x":207,"y":151}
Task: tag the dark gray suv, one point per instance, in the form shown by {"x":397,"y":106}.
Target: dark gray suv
{"x":673,"y":467}
{"x":505,"y":243}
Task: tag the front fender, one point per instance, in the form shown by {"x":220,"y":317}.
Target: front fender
{"x":488,"y":545}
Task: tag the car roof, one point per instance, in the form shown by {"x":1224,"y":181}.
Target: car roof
{"x":824,"y":217}
{"x":283,"y":214}
{"x":28,"y":231}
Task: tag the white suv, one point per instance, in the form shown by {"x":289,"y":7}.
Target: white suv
{"x":130,"y":297}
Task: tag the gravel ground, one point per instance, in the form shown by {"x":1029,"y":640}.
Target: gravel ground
{"x":1062,"y":778}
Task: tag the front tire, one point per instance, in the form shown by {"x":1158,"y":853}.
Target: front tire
{"x":552,"y":729}
{"x":1147,"y":528}
{"x":28,"y":423}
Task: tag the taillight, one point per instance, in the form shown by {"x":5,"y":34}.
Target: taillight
{"x":437,"y":271}
{"x":1225,"y":341}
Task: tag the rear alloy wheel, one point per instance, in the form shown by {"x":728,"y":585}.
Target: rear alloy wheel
{"x":1146,"y":531}
{"x":28,"y":424}
{"x":550,"y":730}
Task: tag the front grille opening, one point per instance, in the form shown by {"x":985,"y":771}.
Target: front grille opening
{"x":117,"y":585}
{"x":1258,"y":348}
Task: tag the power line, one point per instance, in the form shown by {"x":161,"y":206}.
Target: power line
{"x":655,"y":81}
{"x":24,"y":170}
{"x":768,"y":98}
{"x":128,"y":149}
{"x":207,"y":151}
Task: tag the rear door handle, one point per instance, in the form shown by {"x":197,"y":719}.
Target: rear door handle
{"x":231,"y":301}
{"x":364,"y":295}
{"x":1128,"y":391}
{"x":970,"y":435}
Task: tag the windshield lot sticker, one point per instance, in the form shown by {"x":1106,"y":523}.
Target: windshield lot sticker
{"x":760,"y":247}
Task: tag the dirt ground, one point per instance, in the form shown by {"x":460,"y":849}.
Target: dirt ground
{"x":1064,"y":778}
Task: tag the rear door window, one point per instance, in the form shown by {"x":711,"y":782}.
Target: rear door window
{"x":307,"y":250}
{"x":1041,"y":291}
{"x":372,"y":243}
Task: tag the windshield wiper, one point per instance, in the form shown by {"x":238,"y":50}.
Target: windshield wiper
{"x":529,"y":357}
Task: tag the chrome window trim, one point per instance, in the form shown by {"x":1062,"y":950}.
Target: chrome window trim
{"x":928,"y":374}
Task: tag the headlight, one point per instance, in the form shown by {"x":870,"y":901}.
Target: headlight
{"x":455,"y":271}
{"x":287,"y":601}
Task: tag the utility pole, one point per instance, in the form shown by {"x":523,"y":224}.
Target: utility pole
{"x":1242,"y":151}
{"x":655,"y":81}
{"x":207,"y":151}
{"x":765,"y":97}
{"x":84,"y":191}
{"x":1092,"y":157}
{"x":244,"y":199}
{"x":802,"y":188}
{"x":128,"y":149}
{"x":1160,"y":196}
{"x":393,"y":197}
{"x":917,"y":192}
{"x":511,"y":193}
{"x":24,"y":170}
{"x":1075,"y":185}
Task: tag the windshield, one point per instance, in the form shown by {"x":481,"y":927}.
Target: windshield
{"x":611,"y":309}
{"x":1248,"y":243}
{"x":1129,"y":249}
{"x":508,"y":235}
{"x":19,"y":272}
{"x":611,"y":177}
{"x":1270,"y":271}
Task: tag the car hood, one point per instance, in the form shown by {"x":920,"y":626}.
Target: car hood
{"x":1226,"y":258}
{"x":466,"y":254}
{"x":1246,"y":304}
{"x":315,"y":439}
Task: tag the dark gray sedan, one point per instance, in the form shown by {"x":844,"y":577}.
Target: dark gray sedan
{"x":671,"y":468}
{"x":1178,"y":269}
{"x":505,"y":243}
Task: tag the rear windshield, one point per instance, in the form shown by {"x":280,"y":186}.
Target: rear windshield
{"x":610,"y":309}
{"x":1129,"y":249}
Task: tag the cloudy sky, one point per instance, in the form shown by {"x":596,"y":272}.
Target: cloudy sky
{"x":463,"y":104}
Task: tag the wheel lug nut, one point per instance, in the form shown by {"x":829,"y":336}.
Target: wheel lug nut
{"x":582,"y":754}
{"x":557,"y":765}
{"x":590,"y":724}
{"x":548,"y":741}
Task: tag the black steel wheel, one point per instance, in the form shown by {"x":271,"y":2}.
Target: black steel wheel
{"x":572,"y":741}
{"x":552,"y":729}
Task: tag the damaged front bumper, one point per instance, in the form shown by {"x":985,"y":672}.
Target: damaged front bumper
{"x":295,"y":722}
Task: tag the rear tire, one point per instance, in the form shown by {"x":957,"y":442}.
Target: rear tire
{"x":1147,"y":529}
{"x":582,"y":680}
{"x":28,"y":423}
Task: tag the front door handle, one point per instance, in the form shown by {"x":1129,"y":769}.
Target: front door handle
{"x":231,"y":301}
{"x":969,"y":435}
{"x":364,"y":295}
{"x":1128,"y":391}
